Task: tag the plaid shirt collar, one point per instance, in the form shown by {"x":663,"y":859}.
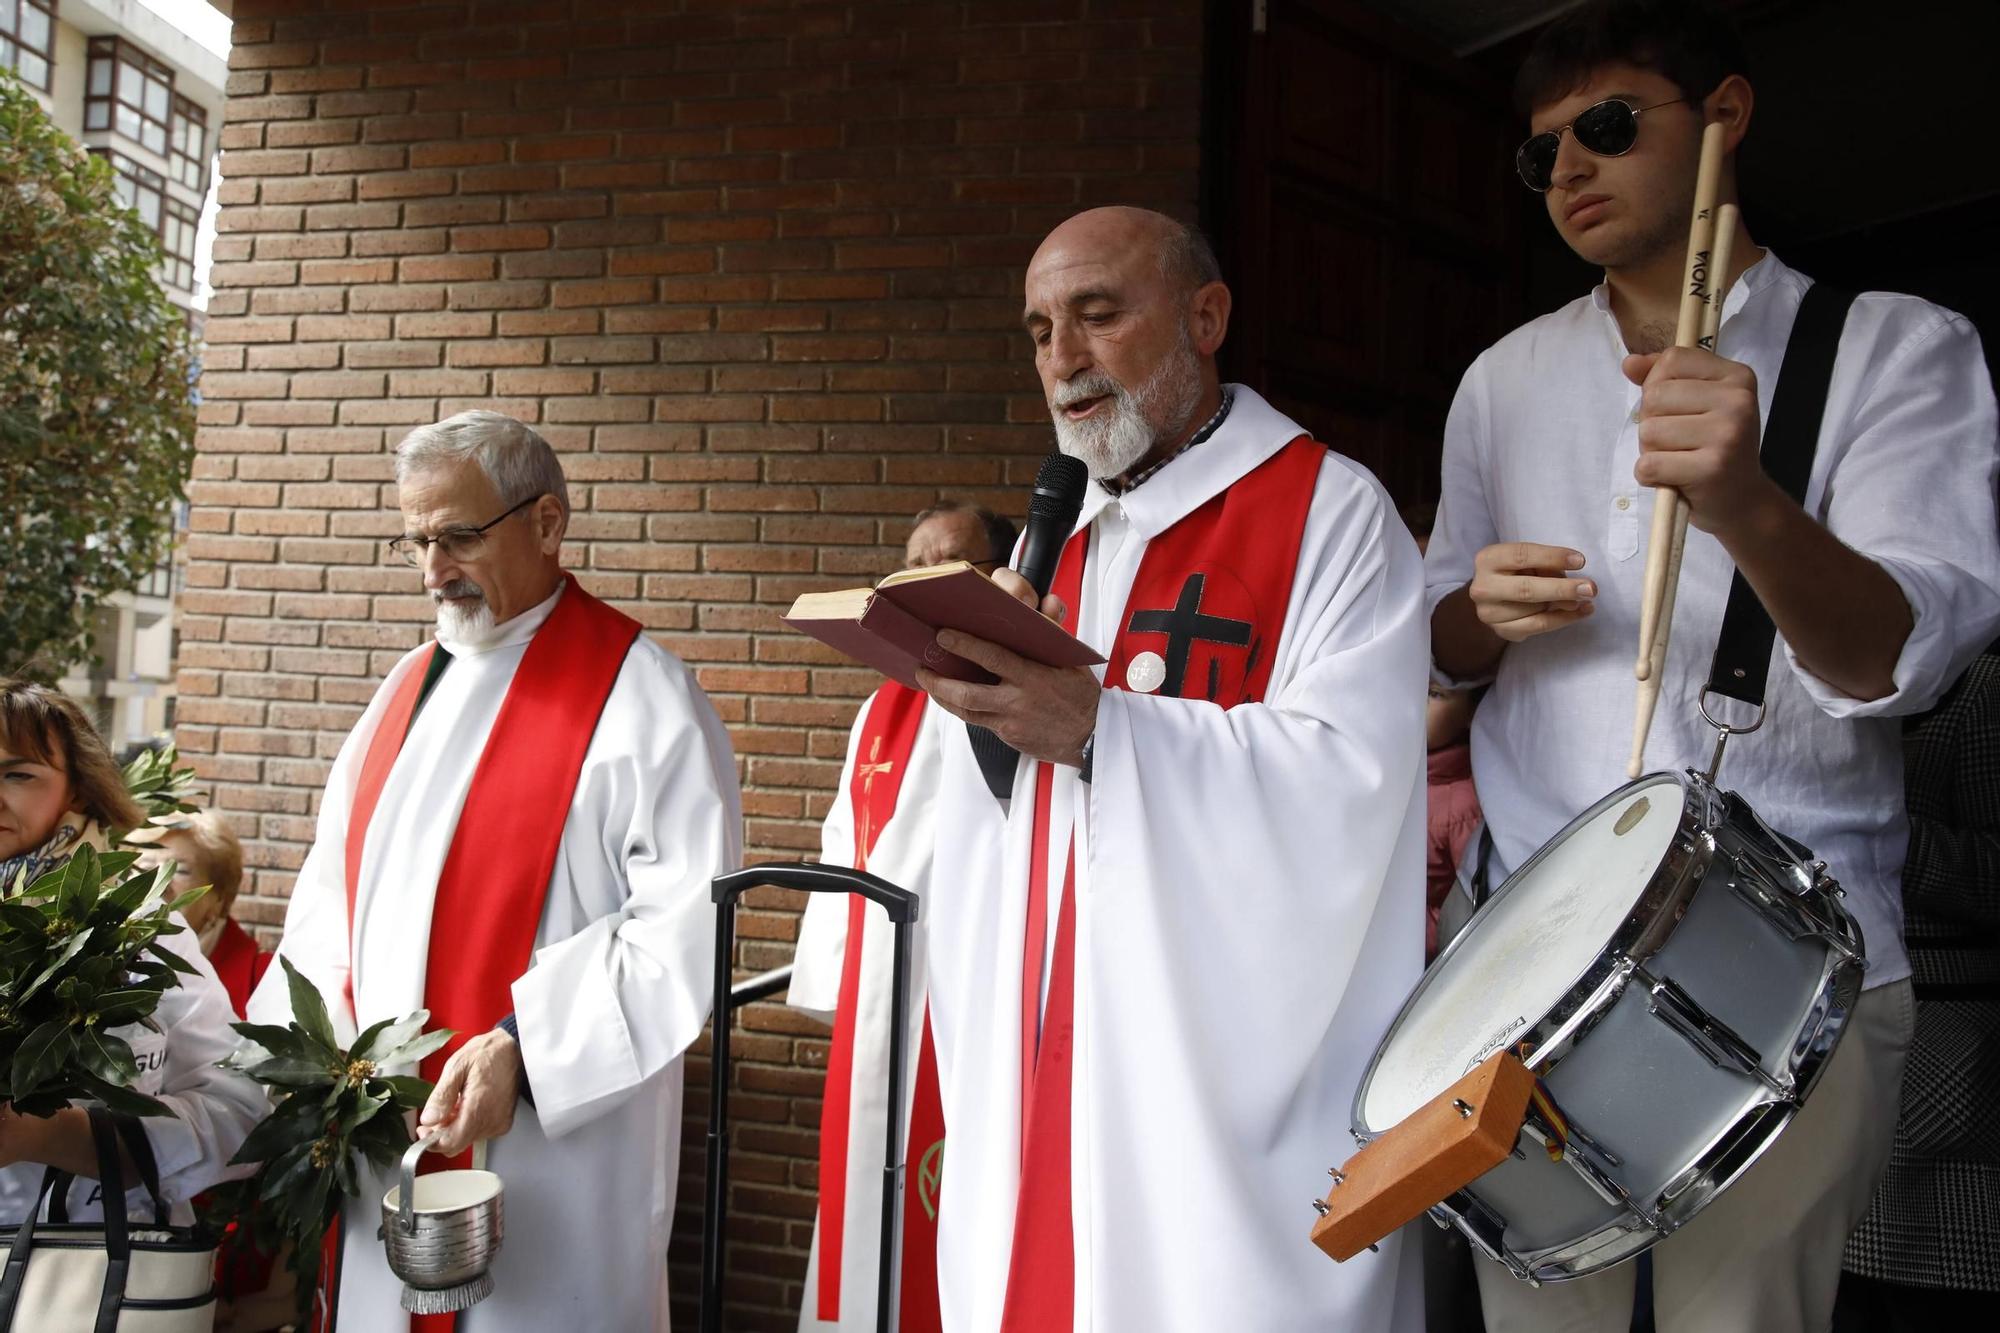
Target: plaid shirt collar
{"x":1214,"y":423}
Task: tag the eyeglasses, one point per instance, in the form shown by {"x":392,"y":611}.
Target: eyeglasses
{"x":457,"y":544}
{"x":1608,"y":129}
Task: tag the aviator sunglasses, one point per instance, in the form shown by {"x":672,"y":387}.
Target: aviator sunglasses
{"x":1608,"y":129}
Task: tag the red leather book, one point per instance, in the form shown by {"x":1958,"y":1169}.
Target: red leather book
{"x":893,"y":626}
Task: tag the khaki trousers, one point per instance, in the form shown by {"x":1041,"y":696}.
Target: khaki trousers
{"x":1765,"y":1257}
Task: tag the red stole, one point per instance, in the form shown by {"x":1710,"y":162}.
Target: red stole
{"x":491,"y":907}
{"x":1210,"y":600}
{"x":239,"y":964}
{"x":888,"y":736}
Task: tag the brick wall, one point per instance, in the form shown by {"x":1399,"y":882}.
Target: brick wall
{"x":752,"y":267}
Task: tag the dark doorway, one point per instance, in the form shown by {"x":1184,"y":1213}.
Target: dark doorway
{"x":1359,"y":189}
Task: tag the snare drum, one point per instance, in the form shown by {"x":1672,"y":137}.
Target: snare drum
{"x":1676,"y":974}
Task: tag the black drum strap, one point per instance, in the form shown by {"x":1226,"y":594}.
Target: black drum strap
{"x":1743,"y":652}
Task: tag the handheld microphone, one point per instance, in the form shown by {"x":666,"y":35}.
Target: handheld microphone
{"x":1052,"y":511}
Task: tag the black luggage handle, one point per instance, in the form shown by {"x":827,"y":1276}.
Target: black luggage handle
{"x":899,"y":903}
{"x":903,"y":907}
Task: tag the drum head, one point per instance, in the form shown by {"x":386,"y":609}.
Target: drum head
{"x":1525,"y":950}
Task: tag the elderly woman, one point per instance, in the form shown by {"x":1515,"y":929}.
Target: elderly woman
{"x":205,"y":852}
{"x":59,"y":790}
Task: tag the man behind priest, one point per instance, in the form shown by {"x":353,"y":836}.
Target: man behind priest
{"x":881,"y":822}
{"x":1156,"y":981}
{"x":519,"y":835}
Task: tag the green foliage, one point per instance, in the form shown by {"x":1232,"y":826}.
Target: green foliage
{"x":159,"y":784}
{"x":96,"y":401}
{"x":79,"y":956}
{"x":335,"y":1109}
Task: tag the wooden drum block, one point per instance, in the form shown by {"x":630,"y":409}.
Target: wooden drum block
{"x":1445,"y":1145}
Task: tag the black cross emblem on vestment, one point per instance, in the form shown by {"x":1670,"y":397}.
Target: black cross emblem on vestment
{"x":1183,"y":626}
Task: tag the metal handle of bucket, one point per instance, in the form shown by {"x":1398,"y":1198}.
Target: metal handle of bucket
{"x":902,"y":907}
{"x":406,"y":1183}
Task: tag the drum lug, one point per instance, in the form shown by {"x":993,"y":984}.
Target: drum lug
{"x":1790,"y":913}
{"x":1487,"y":1231}
{"x":1714,"y":1039}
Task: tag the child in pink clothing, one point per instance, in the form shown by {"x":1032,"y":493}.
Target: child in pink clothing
{"x":1454,"y":805}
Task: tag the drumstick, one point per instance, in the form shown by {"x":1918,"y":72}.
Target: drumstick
{"x":1694,"y":292}
{"x":1711,"y":327}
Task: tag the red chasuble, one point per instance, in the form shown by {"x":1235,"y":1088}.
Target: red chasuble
{"x":1210,"y":600}
{"x":491,"y":908}
{"x":888,"y":735}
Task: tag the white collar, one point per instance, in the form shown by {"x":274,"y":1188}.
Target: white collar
{"x":1756,"y":279}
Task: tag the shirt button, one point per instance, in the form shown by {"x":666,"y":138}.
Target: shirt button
{"x":1624,"y":502}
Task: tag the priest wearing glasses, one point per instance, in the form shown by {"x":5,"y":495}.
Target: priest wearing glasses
{"x":519,"y":836}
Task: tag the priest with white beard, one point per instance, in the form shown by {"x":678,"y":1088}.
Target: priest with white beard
{"x":519,"y":835}
{"x":1156,"y":983}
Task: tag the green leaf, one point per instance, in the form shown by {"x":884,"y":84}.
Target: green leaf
{"x":108,"y":1057}
{"x":411,"y":1092}
{"x":277,"y":1040}
{"x":70,"y":949}
{"x":119,"y":1098}
{"x":26,"y":919}
{"x":289,"y":1169}
{"x":411,"y":1052}
{"x":173,"y":960}
{"x":80,"y":881}
{"x":296,"y":1122}
{"x":308,"y":1009}
{"x":286,"y":1071}
{"x":364,"y":1045}
{"x":39,"y":1055}
{"x":182,"y":903}
{"x":127,"y":1005}
{"x":361,"y":1109}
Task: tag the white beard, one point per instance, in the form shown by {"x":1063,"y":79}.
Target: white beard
{"x":1112,"y":445}
{"x":461,"y":623}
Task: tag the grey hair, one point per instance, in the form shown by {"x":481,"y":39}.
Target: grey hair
{"x":514,"y":458}
{"x":999,"y":531}
{"x":1187,"y":258}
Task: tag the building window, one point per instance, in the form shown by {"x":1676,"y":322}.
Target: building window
{"x":177,"y":238}
{"x":129,"y":92}
{"x":142,"y":189}
{"x":190,"y":143}
{"x":27,"y":39}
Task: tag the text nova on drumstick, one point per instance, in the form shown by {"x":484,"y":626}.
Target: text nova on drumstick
{"x":1669,"y":523}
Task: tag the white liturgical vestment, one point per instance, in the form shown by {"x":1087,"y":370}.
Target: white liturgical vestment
{"x":902,"y":855}
{"x":1249,"y":916}
{"x":621,"y":982}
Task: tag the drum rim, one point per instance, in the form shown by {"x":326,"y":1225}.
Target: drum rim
{"x":1643,"y":931}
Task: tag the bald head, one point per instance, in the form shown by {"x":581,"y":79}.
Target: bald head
{"x":1126,"y":311}
{"x":1185,"y":258}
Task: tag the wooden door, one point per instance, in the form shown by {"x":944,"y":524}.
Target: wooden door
{"x":1358,"y":185}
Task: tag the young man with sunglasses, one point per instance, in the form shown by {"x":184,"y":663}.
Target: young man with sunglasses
{"x":1883,"y":584}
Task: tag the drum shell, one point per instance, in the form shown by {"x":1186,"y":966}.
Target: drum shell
{"x":1658,"y":1127}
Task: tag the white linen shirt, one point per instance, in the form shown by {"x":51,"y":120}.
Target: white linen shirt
{"x":1540,"y":447}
